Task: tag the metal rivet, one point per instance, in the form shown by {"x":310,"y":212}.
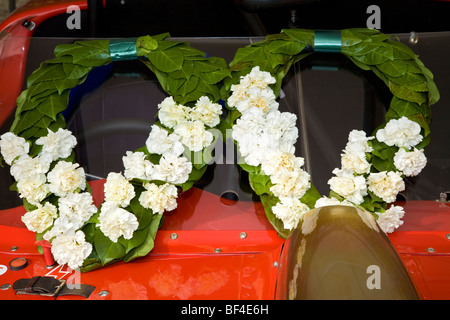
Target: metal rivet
{"x":413,"y":38}
{"x":217,"y":250}
{"x":430,"y":249}
{"x":174,"y":236}
{"x":14,"y":248}
{"x":448,"y":236}
{"x":243,"y":235}
{"x":103,"y":293}
{"x":5,"y":286}
{"x":275,"y":264}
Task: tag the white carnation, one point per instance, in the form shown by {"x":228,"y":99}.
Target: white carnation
{"x":118,"y":190}
{"x":71,"y":249}
{"x":65,"y":178}
{"x":355,"y":162}
{"x":172,"y":169}
{"x":290,"y":183}
{"x":26,"y":166}
{"x":401,"y":133}
{"x":116,"y":222}
{"x":40,"y":219}
{"x":391,"y":219}
{"x":161,"y":142}
{"x":263,"y":99}
{"x":258,"y":78}
{"x":349,"y":186}
{"x":278,"y":161}
{"x":282,"y":125}
{"x":290,"y":210}
{"x":254,"y":149}
{"x":194,"y":135}
{"x":171,"y":114}
{"x":12,"y":146}
{"x":136,"y":166}
{"x":206,"y":111}
{"x":57,"y":144}
{"x":239,"y":92}
{"x":76,"y":209}
{"x":255,"y":78}
{"x":33,"y":188}
{"x":159,"y":198}
{"x":386,"y":185}
{"x":358,"y":142}
{"x":410,"y":163}
{"x":251,"y":123}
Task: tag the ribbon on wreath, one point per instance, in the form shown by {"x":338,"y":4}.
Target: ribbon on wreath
{"x":327,"y":41}
{"x":122,"y":49}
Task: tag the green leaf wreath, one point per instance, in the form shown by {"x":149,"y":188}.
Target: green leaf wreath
{"x":193,"y":82}
{"x":409,"y":81}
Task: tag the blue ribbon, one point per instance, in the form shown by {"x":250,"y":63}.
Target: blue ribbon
{"x":122,"y":49}
{"x":327,"y":41}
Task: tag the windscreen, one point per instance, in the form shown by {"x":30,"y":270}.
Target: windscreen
{"x":114,"y":111}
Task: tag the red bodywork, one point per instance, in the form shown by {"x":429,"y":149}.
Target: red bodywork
{"x":226,"y":250}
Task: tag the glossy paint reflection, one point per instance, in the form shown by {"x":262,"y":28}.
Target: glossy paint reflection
{"x":339,"y":252}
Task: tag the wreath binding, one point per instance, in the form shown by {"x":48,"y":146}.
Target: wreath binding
{"x":191,"y":79}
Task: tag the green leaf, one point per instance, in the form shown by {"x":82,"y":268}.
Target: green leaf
{"x":166,"y":60}
{"x":249,"y":168}
{"x":285,"y":47}
{"x":210,"y":65}
{"x":145,"y":44}
{"x":422,"y":121}
{"x":395,"y":68}
{"x":215,"y":76}
{"x":149,"y":241}
{"x":39,"y":87}
{"x":433,"y":92}
{"x":409,"y":79}
{"x":374,"y":54}
{"x":349,"y":39}
{"x":359,"y":64}
{"x":86,"y":53}
{"x":188,"y":86}
{"x":311,"y":196}
{"x":184,"y":73}
{"x":404,"y":107}
{"x":407,"y":94}
{"x":138,"y":238}
{"x":26,"y":120}
{"x":107,"y":250}
{"x":143,"y":215}
{"x":268,"y":202}
{"x":54,"y":104}
{"x":248,"y":54}
{"x":75,"y":71}
{"x":260,"y":183}
{"x":65,"y":84}
{"x":301,"y":35}
{"x":48,"y":72}
{"x":401,"y":51}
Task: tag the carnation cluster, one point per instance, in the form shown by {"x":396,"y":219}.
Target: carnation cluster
{"x":356,"y":180}
{"x":59,"y":219}
{"x":266,"y":138}
{"x":55,"y":189}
